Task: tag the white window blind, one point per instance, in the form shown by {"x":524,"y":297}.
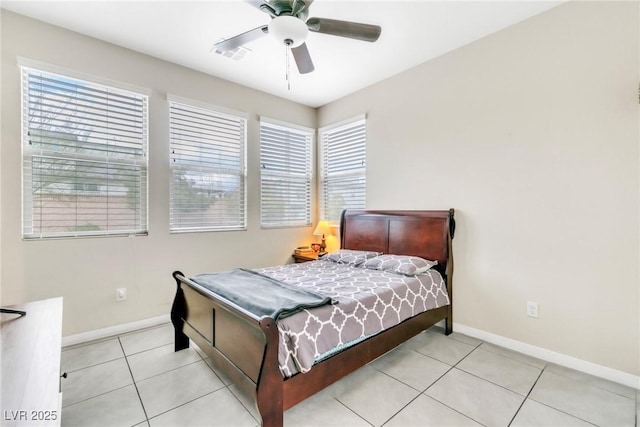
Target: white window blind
{"x":84,"y":158}
{"x":342,"y":168}
{"x":285,"y":175}
{"x":208,"y":172}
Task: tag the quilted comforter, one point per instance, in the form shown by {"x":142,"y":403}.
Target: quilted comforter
{"x":366,"y":302}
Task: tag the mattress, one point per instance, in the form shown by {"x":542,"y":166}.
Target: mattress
{"x":364,"y":303}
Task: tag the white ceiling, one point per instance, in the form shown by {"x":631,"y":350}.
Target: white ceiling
{"x":183,"y":32}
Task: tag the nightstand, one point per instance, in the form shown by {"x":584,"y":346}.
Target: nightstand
{"x":306,"y":257}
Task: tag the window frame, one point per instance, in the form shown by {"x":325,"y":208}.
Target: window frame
{"x":34,"y":70}
{"x":306,"y":180}
{"x":325,"y":177}
{"x":222,"y":114}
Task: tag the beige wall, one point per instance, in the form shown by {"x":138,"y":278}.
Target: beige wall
{"x":532,"y":135}
{"x":86,"y":272}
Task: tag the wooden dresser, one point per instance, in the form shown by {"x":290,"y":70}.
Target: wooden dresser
{"x":31,"y":347}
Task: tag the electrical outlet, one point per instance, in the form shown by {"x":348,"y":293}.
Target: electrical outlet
{"x":532,"y":309}
{"x":121,"y":294}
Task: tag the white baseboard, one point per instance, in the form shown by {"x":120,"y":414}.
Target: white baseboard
{"x":114,"y":330}
{"x":551,"y":356}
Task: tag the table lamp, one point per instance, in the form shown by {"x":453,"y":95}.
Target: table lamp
{"x":321,"y":229}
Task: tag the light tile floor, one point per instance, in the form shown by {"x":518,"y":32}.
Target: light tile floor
{"x":432,"y":380}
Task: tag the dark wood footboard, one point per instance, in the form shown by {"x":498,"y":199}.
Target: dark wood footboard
{"x":245,"y":347}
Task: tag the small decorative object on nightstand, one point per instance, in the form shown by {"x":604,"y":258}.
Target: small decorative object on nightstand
{"x":322,"y":229}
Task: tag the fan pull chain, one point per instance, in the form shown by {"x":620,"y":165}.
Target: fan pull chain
{"x":287,"y":66}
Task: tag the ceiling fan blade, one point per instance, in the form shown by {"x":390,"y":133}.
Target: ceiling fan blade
{"x":352,"y":30}
{"x":303,"y":59}
{"x":241,"y":39}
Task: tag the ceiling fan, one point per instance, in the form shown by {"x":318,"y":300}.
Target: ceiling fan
{"x":290,"y":26}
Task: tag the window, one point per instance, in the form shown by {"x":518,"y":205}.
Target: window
{"x":208,"y":173}
{"x":84,"y":158}
{"x":285,"y":174}
{"x":342,"y":168}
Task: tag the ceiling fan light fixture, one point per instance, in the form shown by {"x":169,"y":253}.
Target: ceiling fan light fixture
{"x":288,"y":30}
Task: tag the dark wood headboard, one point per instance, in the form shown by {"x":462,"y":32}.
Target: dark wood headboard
{"x":426,"y":234}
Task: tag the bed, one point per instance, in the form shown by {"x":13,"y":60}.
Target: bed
{"x":247,"y":346}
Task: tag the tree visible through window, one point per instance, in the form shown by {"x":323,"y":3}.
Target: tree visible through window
{"x":85,"y":158}
{"x":208,"y":174}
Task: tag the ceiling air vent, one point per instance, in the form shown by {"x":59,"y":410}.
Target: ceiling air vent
{"x":236,"y":54}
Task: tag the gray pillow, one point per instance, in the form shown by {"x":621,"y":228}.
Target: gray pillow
{"x":403,"y":264}
{"x":350,"y":257}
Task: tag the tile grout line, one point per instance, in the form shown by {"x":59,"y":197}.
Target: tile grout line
{"x":511,"y":357}
{"x":68,"y":371}
{"x":420,"y":392}
{"x":355,"y":413}
{"x":588,"y":383}
{"x":496,"y":384}
{"x":449,"y":370}
{"x":228,"y":387}
{"x":97,"y":395}
{"x":547,"y":363}
{"x":435,"y":381}
{"x":164,"y":372}
{"x":146,"y":349}
{"x":134,"y":384}
{"x":76,"y":371}
{"x":544,"y":404}
{"x":401,"y":382}
{"x":202,"y":359}
{"x":563,"y":412}
{"x":527,"y":396}
{"x":542,"y":370}
{"x":401,"y":409}
{"x":183,"y":404}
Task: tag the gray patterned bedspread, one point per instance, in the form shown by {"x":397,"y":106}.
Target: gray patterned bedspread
{"x":365,"y":302}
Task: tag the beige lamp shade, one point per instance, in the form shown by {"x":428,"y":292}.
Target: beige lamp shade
{"x":322,"y":228}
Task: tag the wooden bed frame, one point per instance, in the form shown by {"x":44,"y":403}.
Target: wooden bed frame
{"x":245,"y":347}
